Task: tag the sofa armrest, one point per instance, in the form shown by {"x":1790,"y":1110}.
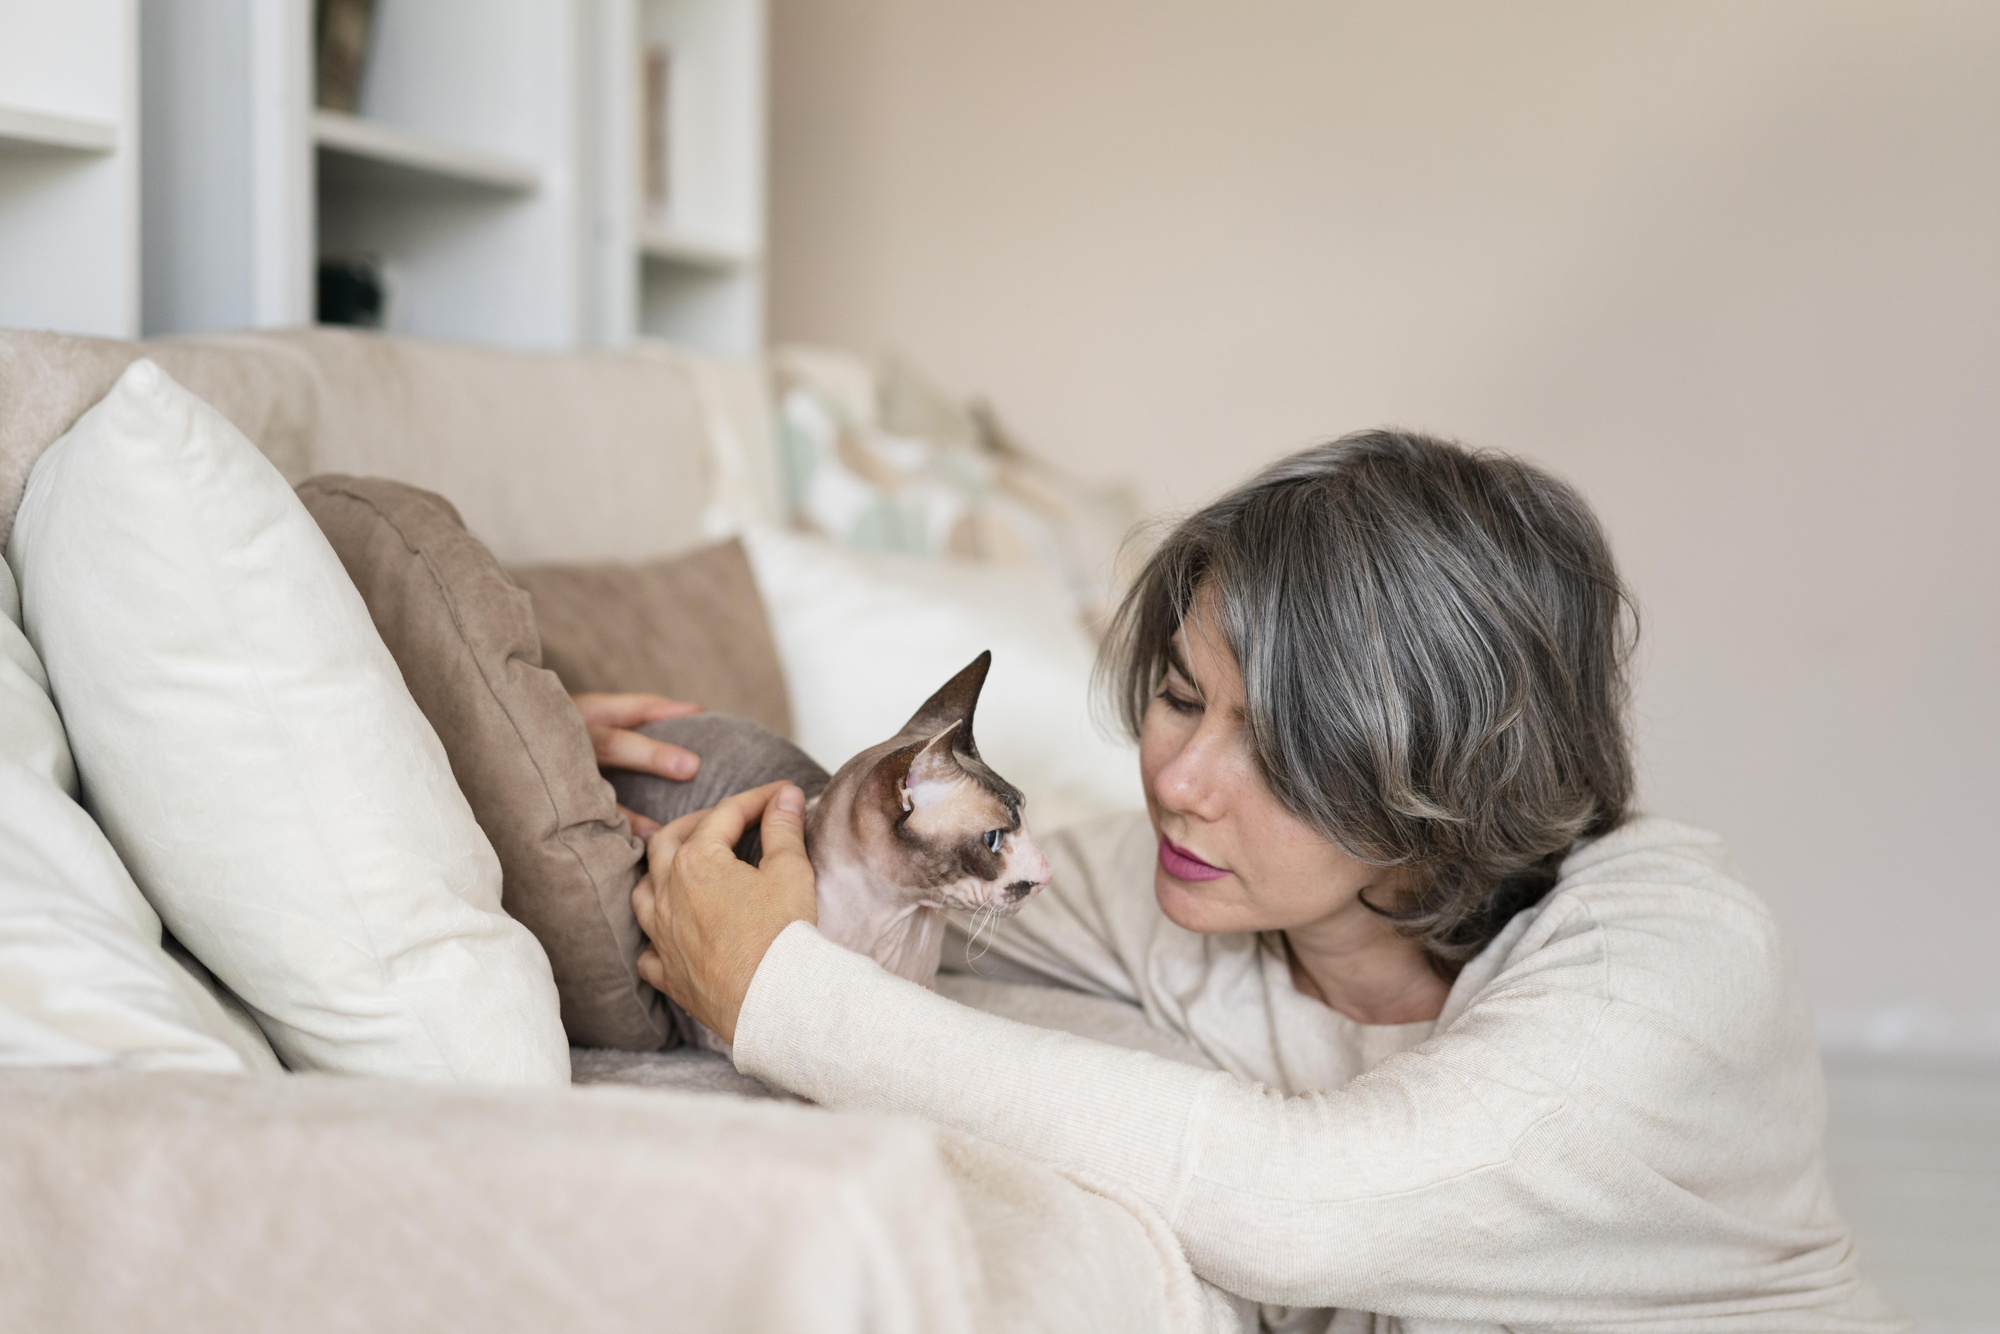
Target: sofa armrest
{"x":169,"y":1201}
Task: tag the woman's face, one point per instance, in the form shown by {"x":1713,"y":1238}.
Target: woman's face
{"x":1232,"y":858}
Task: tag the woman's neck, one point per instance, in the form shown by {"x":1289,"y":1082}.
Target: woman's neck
{"x":1358,"y":964}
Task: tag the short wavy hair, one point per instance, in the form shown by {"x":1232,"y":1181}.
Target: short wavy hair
{"x":1434,"y":644}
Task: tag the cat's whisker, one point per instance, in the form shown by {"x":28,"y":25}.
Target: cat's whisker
{"x":983,"y":919}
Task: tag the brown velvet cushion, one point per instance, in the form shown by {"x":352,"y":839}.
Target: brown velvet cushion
{"x":465,"y":639}
{"x":690,"y":628}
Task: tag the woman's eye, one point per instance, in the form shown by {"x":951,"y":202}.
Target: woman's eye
{"x":993,"y":837}
{"x":1177,"y":703}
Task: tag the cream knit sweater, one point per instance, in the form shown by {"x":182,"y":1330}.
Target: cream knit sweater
{"x":1616,"y":1120}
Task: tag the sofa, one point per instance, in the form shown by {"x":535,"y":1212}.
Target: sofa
{"x":661,"y":1190}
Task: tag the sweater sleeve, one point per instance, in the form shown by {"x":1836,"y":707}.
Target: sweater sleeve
{"x":1262,"y":1190}
{"x":1458,"y":1181}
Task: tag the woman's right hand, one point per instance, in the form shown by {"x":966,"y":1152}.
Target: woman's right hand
{"x":709,"y":916}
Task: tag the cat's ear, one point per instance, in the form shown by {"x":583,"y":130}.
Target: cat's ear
{"x":934,"y":762}
{"x":906,"y":777}
{"x":952,"y":706}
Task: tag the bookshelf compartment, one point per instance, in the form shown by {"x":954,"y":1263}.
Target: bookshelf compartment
{"x":489,"y":171}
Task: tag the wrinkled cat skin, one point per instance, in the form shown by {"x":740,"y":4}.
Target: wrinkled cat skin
{"x":907,"y":829}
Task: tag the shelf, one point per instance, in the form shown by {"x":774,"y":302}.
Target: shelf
{"x":37,"y":131}
{"x":695,"y":252}
{"x":369,"y":153}
{"x":493,"y":170}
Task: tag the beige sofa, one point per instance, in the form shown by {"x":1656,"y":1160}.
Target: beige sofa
{"x":135,"y":1201}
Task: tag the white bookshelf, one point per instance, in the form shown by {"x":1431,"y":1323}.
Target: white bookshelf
{"x":491,"y":166}
{"x":69,"y":154}
{"x":358,"y":154}
{"x":23,"y":130}
{"x":691,"y":270}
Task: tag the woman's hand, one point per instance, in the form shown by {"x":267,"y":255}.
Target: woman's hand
{"x":711,"y":917}
{"x":610,"y":720}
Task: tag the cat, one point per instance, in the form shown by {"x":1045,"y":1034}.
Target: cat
{"x":904,"y":831}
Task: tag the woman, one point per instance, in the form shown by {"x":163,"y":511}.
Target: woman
{"x":1490,"y":1047}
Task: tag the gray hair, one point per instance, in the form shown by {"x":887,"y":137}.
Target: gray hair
{"x":1433,"y":644}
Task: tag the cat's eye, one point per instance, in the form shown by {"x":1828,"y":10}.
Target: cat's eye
{"x":993,"y":837}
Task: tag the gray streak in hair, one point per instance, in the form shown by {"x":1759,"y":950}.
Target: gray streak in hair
{"x":1433,"y":644}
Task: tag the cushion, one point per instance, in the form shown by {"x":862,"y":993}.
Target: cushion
{"x":465,"y":639}
{"x":690,"y":628}
{"x":474,"y":422}
{"x":881,"y":458}
{"x":551,"y":456}
{"x":314,"y":1205}
{"x":47,"y":380}
{"x":83,"y":977}
{"x":865,"y":639}
{"x":250,"y":748}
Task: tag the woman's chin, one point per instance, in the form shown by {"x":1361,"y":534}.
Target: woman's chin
{"x":1189,"y":906}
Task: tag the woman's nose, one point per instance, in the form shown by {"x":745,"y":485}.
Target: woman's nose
{"x":1192,"y":782}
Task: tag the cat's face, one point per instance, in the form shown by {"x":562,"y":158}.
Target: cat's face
{"x":929,"y":819}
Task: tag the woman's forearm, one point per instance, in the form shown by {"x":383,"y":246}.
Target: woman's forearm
{"x":832,"y":1026}
{"x":1447,"y":1185}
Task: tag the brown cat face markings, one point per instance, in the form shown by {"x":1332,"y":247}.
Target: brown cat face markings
{"x":961,"y":829}
{"x":918,"y":824}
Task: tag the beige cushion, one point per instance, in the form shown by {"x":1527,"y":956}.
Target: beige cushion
{"x":307,"y":1204}
{"x":862,"y":638}
{"x":267,"y":390}
{"x":465,"y":639}
{"x":691,"y":628}
{"x":550,"y":456}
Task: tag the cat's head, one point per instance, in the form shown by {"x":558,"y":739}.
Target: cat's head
{"x":925,"y":814}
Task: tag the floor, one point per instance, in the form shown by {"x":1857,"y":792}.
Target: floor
{"x":1914,"y":1150}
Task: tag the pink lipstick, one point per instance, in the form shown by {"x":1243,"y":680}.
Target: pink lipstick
{"x":1184,"y":865}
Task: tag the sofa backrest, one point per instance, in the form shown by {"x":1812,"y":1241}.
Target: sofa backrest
{"x":549,"y":456}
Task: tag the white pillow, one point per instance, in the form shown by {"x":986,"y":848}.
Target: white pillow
{"x":83,"y":979}
{"x":865,"y":639}
{"x":250,"y":748}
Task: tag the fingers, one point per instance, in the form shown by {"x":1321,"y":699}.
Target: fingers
{"x":709,"y":917}
{"x":723,"y":824}
{"x":667,"y":839}
{"x":643,"y":826}
{"x":645,"y":906}
{"x":652,"y":971}
{"x":784,"y":825}
{"x":607,"y":710}
{"x":619,"y":749}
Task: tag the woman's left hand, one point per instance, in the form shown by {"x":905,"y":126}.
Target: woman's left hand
{"x":612,"y":721}
{"x":711,"y":917}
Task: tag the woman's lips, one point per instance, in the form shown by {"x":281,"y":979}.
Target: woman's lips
{"x":1184,"y":865}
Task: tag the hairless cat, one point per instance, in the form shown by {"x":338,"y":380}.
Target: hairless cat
{"x":903,"y":831}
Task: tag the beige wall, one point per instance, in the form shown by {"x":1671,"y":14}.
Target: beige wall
{"x":1734,"y":268}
